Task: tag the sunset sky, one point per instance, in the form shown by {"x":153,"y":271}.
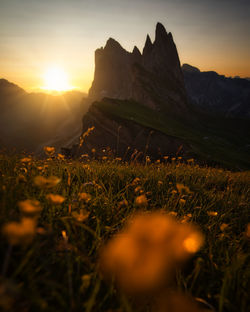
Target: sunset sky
{"x":36,"y":35}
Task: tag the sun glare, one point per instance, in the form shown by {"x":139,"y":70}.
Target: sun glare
{"x":56,"y":79}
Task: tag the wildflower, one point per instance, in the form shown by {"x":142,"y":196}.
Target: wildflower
{"x":84,"y":197}
{"x":136,"y":181}
{"x":26,"y":159}
{"x":165,"y":157}
{"x":148,"y":160}
{"x":138,"y":189}
{"x":158,"y":161}
{"x":223,"y":226}
{"x":104,"y":158}
{"x":182,"y":201}
{"x":141,"y":201}
{"x":191,"y":160}
{"x":55,"y":198}
{"x":49,"y":150}
{"x":20,"y":232}
{"x":159,"y":182}
{"x":60,"y":156}
{"x":49,"y":182}
{"x":93,"y":150}
{"x":182,"y":189}
{"x":143,"y":255}
{"x":84,"y":135}
{"x":212,"y":213}
{"x":123,"y":203}
{"x":30,"y":206}
{"x":80,"y":217}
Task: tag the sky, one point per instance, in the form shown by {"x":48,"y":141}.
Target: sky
{"x":38,"y":34}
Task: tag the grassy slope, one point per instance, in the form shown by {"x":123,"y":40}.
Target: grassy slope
{"x":226,"y":138}
{"x":45,"y":276}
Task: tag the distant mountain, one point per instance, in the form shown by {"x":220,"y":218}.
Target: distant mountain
{"x":215,"y":93}
{"x":141,"y":105}
{"x":29,"y":121}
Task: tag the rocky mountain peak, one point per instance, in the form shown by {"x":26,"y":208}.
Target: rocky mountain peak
{"x":160,"y":32}
{"x":148,"y":46}
{"x":112,"y":44}
{"x":190,"y":69}
{"x":123,"y":75}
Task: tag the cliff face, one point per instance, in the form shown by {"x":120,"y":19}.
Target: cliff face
{"x":153,"y":78}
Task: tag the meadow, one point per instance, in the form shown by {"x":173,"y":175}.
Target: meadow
{"x":56,"y":215}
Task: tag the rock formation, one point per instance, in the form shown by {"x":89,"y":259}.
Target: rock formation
{"x":126,"y":82}
{"x":153,"y":78}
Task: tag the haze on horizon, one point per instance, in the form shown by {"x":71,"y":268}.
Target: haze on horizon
{"x":34,"y":35}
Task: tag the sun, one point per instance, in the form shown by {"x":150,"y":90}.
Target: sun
{"x":56,"y":79}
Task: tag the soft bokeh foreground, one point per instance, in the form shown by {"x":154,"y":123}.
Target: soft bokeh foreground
{"x":104,"y":235}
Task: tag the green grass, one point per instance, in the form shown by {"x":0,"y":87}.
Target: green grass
{"x":47,"y":276}
{"x":211,"y":138}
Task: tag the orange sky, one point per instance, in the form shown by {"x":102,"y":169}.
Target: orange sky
{"x":35,"y":35}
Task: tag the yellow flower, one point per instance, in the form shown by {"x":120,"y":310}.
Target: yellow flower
{"x":182,"y":189}
{"x":30,"y":206}
{"x":80,"y":217}
{"x":182,"y":201}
{"x":26,"y":159}
{"x":212,"y":213}
{"x":55,"y":198}
{"x":84,"y":197}
{"x":223,"y":226}
{"x":20,"y":232}
{"x":49,"y":150}
{"x":60,"y":156}
{"x":141,"y":201}
{"x":49,"y":182}
{"x":143,"y":256}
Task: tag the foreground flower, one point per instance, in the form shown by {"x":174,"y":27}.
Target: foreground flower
{"x":143,"y":257}
{"x":20,"y":232}
{"x":30,"y":206}
{"x":55,"y":198}
{"x":43,"y":182}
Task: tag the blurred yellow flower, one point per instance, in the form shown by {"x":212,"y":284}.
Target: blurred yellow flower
{"x":20,"y":232}
{"x":144,"y":255}
{"x":182,"y":189}
{"x":223,"y":226}
{"x":30,"y":206}
{"x":60,"y":156}
{"x":84,"y":197}
{"x":49,"y":150}
{"x":141,"y":201}
{"x":212,"y":213}
{"x":80,"y":217}
{"x":49,"y":182}
{"x":55,"y":198}
{"x":26,"y":159}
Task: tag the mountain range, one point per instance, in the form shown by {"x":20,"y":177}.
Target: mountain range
{"x":29,"y":121}
{"x":140,"y":104}
{"x":145,"y":103}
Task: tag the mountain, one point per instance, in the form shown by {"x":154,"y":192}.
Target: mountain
{"x":218,"y":94}
{"x":29,"y":121}
{"x":141,"y":106}
{"x":153,"y":78}
{"x":129,"y":91}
